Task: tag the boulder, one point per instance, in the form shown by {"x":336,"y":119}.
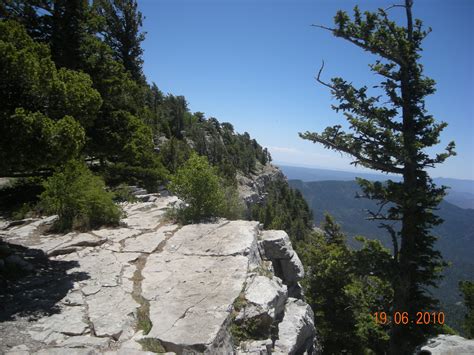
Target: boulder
{"x":444,"y":344}
{"x":296,"y":332}
{"x":265,"y":300}
{"x":292,"y":269}
{"x":257,"y":347}
{"x":276,"y":246}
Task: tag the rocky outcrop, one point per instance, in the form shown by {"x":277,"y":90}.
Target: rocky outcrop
{"x":444,"y":344}
{"x":150,"y":285}
{"x":276,"y":246}
{"x":265,"y":300}
{"x":296,"y":332}
{"x":252,"y":187}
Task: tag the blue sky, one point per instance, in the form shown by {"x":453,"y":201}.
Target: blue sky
{"x":252,"y":63}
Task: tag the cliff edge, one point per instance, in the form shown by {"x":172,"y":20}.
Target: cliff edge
{"x":151,"y":286}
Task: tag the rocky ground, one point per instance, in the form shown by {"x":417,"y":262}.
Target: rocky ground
{"x":152,"y":286}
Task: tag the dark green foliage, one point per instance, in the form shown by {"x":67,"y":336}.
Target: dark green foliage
{"x":17,"y":194}
{"x":122,"y":22}
{"x":175,"y":153}
{"x":393,"y":138}
{"x":31,"y":14}
{"x":43,"y":111}
{"x":456,"y":237}
{"x":68,"y":32}
{"x":284,"y":208}
{"x":79,"y":199}
{"x":198,"y":185}
{"x":228,"y":151}
{"x":344,"y":288}
{"x":123,"y":193}
{"x":467,"y":289}
{"x":148,"y":177}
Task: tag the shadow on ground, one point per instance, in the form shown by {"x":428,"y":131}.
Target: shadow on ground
{"x":35,"y":293}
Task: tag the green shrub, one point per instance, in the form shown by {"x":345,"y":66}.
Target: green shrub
{"x":123,"y":193}
{"x":147,"y":177}
{"x":233,"y":207}
{"x":79,"y":198}
{"x":199,"y":186}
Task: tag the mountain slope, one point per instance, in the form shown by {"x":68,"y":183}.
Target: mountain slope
{"x":456,"y":234}
{"x":460,"y":192}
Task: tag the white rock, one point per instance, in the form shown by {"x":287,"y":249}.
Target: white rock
{"x":71,"y":321}
{"x":147,"y":242}
{"x":68,"y":351}
{"x":296,"y":331}
{"x":75,"y":242}
{"x":220,"y":239}
{"x":73,"y":298}
{"x":84,"y":341}
{"x":265,"y":299}
{"x":292,"y":269}
{"x":101,"y":266}
{"x":260,"y":347}
{"x":27,"y":230}
{"x":193,"y":283}
{"x":111,"y":311}
{"x":276,"y":244}
{"x":118,"y":234}
{"x":444,"y":344}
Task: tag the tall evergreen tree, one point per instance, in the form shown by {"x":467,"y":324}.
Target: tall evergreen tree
{"x":69,"y":28}
{"x":122,"y":32}
{"x":393,"y":138}
{"x":34,"y":15}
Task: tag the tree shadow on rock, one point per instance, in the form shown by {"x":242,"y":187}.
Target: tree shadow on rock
{"x":34,"y":289}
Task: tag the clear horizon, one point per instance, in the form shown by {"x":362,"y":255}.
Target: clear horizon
{"x":253,"y":64}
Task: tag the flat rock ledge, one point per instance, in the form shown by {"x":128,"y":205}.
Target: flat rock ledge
{"x":150,"y":286}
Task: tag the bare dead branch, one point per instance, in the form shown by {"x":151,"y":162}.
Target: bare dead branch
{"x":318,"y":78}
{"x":324,"y":28}
{"x":393,"y":235}
{"x":392,"y":6}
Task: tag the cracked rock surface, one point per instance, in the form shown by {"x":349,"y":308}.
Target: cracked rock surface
{"x":145,"y":282}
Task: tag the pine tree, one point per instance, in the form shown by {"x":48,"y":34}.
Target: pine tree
{"x":69,"y":29}
{"x":392,"y":138}
{"x":122,"y":32}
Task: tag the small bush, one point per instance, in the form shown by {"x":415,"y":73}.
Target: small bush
{"x":199,"y":186}
{"x":79,"y":198}
{"x":233,"y":207}
{"x":147,"y":177}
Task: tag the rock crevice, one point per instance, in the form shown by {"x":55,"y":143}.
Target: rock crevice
{"x":151,"y":282}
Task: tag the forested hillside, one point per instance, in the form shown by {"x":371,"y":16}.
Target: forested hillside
{"x":455,"y":235}
{"x":72,"y":88}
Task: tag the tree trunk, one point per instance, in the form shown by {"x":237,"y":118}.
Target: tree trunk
{"x":403,"y":282}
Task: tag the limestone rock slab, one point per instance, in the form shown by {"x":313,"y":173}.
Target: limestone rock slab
{"x":192,"y":284}
{"x":296,"y":331}
{"x":111,"y":311}
{"x":265,"y":299}
{"x":147,"y":242}
{"x":71,"y":321}
{"x":276,"y":244}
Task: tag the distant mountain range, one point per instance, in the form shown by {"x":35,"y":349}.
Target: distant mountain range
{"x":456,"y":234}
{"x":461,"y":192}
